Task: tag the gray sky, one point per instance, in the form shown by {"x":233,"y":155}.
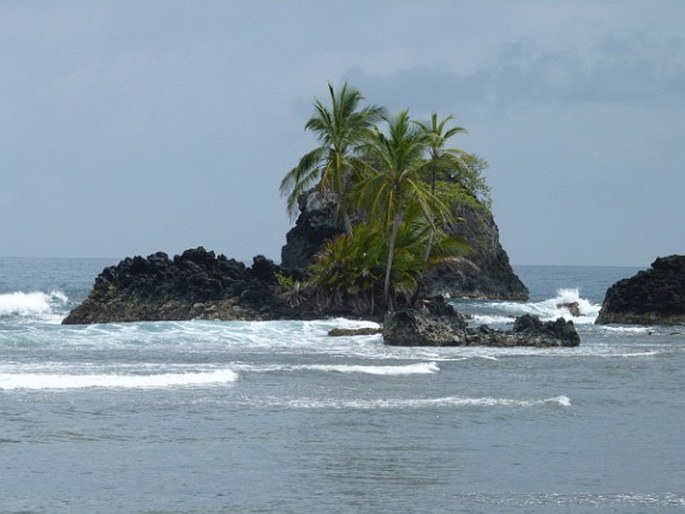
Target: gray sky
{"x":130,"y":127}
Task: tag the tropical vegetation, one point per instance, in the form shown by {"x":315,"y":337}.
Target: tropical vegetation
{"x":396,"y":185}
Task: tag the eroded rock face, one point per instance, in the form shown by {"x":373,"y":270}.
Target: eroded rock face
{"x":315,"y":225}
{"x":486,"y":273}
{"x":427,"y":326}
{"x":196,"y":284}
{"x":652,"y":297}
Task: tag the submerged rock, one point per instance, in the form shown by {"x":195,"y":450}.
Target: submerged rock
{"x":427,"y":327}
{"x":364,"y":331}
{"x":485,"y":273}
{"x":651,"y":297}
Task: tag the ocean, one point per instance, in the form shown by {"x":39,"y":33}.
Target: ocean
{"x":218,"y":417}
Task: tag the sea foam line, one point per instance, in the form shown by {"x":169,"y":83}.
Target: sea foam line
{"x":39,"y":381}
{"x":419,"y":368}
{"x":413,"y":403}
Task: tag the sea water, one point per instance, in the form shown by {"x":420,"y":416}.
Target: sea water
{"x":214,"y":417}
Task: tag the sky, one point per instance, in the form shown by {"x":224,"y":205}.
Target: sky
{"x":131,"y":127}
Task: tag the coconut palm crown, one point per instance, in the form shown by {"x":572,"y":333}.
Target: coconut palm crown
{"x":339,"y":129}
{"x":395,"y":167}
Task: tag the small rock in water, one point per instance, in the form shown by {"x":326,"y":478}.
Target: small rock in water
{"x":572,"y":307}
{"x":364,"y":331}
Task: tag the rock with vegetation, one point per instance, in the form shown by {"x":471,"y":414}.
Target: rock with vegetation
{"x":485,"y":272}
{"x":652,"y":297}
{"x":414,"y":212}
{"x":438,"y":324}
{"x":391,"y":213}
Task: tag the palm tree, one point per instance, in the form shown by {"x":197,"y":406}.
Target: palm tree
{"x":394,"y":166}
{"x":442,"y":160}
{"x":440,"y":156}
{"x":339,"y":130}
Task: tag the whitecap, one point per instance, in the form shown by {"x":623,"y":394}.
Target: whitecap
{"x":420,"y":368}
{"x":38,"y":381}
{"x":36,"y":304}
{"x":413,"y":403}
{"x":548,"y":310}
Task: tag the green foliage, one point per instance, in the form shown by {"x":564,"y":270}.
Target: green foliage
{"x":404,"y":183}
{"x":354,"y":265}
{"x":285,"y":281}
{"x":340,"y":130}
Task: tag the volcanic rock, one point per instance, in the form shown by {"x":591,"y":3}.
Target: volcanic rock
{"x":651,"y":297}
{"x":421,"y":327}
{"x":484,"y":273}
{"x":195,"y":284}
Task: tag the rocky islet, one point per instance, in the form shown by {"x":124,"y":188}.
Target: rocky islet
{"x":655,"y":296}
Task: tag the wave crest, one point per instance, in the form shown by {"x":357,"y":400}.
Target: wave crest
{"x":38,"y":381}
{"x":36,"y":304}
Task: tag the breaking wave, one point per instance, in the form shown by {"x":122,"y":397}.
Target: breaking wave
{"x":39,"y":381}
{"x":37,"y":304}
{"x":562,"y":305}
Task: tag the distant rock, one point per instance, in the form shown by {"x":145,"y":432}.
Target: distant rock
{"x":486,"y":273}
{"x":438,"y":324}
{"x":572,"y":307}
{"x":652,"y":297}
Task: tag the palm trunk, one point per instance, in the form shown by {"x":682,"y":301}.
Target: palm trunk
{"x":391,"y":254}
{"x":429,"y":247}
{"x":427,"y":253}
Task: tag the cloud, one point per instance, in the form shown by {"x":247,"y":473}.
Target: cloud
{"x":617,"y":71}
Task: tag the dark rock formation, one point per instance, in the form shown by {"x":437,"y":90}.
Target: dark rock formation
{"x":364,"y":331}
{"x":438,"y":324}
{"x":652,"y":297}
{"x":196,"y":284}
{"x":314,"y":226}
{"x":485,"y":273}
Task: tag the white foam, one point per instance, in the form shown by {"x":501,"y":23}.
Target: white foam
{"x":35,"y":304}
{"x":485,"y":319}
{"x":548,"y":310}
{"x":625,"y":330}
{"x":35,"y":381}
{"x":414,"y":403}
{"x":420,"y":368}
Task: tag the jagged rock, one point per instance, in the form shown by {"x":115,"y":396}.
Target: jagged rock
{"x":420,"y":327}
{"x":315,"y":225}
{"x":486,"y":273}
{"x":651,"y":297}
{"x":195,"y":284}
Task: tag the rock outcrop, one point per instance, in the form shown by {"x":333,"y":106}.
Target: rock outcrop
{"x":485,"y":273}
{"x":438,"y":324}
{"x":196,"y":284}
{"x":652,"y":297}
